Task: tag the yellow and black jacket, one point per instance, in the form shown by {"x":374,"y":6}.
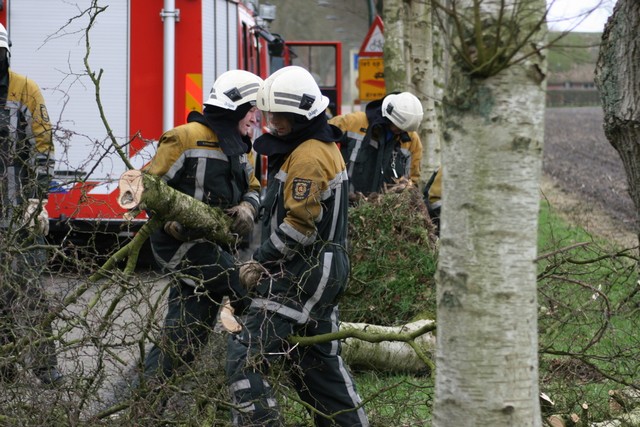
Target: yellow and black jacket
{"x":373,"y":155}
{"x":304,"y":228}
{"x":191,"y":159}
{"x":26,"y":146}
{"x":217,"y":171}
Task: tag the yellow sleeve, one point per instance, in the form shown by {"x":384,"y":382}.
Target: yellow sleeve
{"x":40,"y":125}
{"x":415,"y":148}
{"x":435,"y":191}
{"x":348,"y":122}
{"x":169,"y":150}
{"x":254,"y":182}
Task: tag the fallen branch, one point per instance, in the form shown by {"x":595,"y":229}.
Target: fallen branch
{"x":401,"y":349}
{"x":140,"y":191}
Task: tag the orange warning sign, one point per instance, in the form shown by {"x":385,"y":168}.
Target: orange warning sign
{"x":371,"y":78}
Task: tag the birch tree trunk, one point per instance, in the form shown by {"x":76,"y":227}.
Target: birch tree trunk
{"x":409,"y":62}
{"x":618,"y":80}
{"x":420,"y":70}
{"x":486,"y":356}
{"x":395,"y":66}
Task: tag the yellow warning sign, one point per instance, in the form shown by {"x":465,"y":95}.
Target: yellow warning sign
{"x":371,"y":78}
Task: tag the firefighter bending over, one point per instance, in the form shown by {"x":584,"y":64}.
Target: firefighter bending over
{"x":380,"y":145}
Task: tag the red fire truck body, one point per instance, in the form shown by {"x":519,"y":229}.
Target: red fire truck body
{"x":152,"y":62}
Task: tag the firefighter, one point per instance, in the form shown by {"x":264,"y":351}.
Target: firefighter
{"x":380,"y":145}
{"x":26,"y":167}
{"x":301,"y":268}
{"x":207,"y":158}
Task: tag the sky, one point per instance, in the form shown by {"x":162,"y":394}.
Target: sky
{"x":571,"y":15}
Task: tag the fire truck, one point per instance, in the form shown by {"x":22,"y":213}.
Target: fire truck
{"x":116,"y":74}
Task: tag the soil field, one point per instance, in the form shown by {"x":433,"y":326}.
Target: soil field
{"x":584,"y":178}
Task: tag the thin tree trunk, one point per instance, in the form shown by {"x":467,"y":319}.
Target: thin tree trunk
{"x":389,"y":356}
{"x":421,"y":80}
{"x":395,"y":66}
{"x":142,"y":191}
{"x":145,"y":191}
{"x":486,"y":358}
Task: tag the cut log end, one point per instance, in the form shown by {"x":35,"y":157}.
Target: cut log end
{"x":131,"y":188}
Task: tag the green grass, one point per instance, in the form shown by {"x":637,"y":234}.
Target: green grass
{"x":583,"y":338}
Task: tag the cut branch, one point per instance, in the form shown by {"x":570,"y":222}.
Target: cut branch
{"x":140,"y":191}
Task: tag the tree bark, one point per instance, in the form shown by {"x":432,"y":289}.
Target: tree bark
{"x":400,"y":349}
{"x":395,"y":66}
{"x":617,"y":79}
{"x":486,"y":358}
{"x":422,"y":80}
{"x":409,"y":66}
{"x":140,"y":190}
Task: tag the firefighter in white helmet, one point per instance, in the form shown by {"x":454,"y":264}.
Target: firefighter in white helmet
{"x":209,"y":159}
{"x":26,"y":167}
{"x":301,"y":267}
{"x":381,"y":147}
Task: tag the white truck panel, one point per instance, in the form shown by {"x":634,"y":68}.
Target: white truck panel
{"x":49,"y":47}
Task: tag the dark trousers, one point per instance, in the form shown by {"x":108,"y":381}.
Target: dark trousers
{"x":206,"y":275}
{"x":190,"y":319}
{"x":317,"y":372}
{"x":24,"y":304}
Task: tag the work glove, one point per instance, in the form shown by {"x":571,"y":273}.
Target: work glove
{"x":398,"y":186}
{"x":228,"y":319}
{"x":243,"y":215}
{"x":178,"y":232}
{"x":250,"y":273}
{"x":356,"y":198}
{"x":36,"y":216}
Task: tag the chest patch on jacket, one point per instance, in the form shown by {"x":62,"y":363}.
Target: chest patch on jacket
{"x":208,"y":144}
{"x":44,"y":114}
{"x":301,"y":188}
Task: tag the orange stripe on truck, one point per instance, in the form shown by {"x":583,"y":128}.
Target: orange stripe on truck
{"x":193,"y":95}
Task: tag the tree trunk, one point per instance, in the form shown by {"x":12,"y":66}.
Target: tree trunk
{"x":420,"y":56}
{"x":139,"y":191}
{"x":618,"y":80}
{"x":409,"y":66}
{"x":395,"y":66}
{"x":486,"y":358}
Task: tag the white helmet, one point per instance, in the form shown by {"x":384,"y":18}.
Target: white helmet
{"x":4,"y":38}
{"x":234,"y":88}
{"x":292,"y":89}
{"x":404,"y":110}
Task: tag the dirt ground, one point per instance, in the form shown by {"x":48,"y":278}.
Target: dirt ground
{"x":584,"y":178}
